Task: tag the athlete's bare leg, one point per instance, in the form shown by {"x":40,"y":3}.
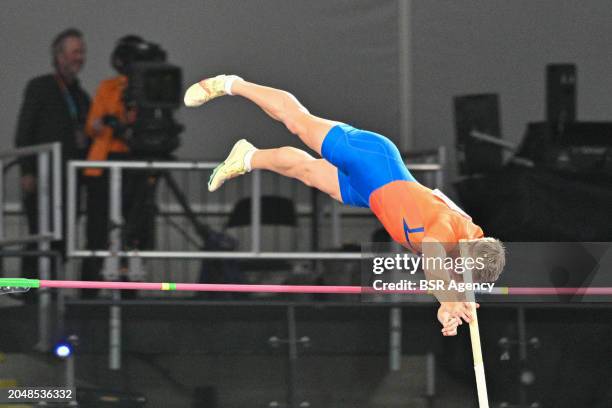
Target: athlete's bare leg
{"x":284,"y":107}
{"x":296,"y":163}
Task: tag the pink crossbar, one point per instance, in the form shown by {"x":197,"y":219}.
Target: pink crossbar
{"x":203,"y":287}
{"x":209,"y":287}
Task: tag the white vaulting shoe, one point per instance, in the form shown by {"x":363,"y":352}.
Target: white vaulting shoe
{"x":209,"y":89}
{"x":233,"y":166}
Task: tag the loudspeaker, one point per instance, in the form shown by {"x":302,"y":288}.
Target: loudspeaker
{"x":560,"y":95}
{"x":481,"y":113}
{"x":582,"y":148}
{"x":205,"y":397}
{"x":537,"y":142}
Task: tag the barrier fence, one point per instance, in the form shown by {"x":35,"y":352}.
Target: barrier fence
{"x":48,"y":184}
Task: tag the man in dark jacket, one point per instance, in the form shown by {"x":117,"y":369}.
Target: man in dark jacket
{"x":54,"y":109}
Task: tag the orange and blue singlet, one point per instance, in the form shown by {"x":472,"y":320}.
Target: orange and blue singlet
{"x":372,"y":174}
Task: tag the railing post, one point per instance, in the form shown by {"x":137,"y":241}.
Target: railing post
{"x":61,"y":297}
{"x":291,"y":358}
{"x":58,"y":198}
{"x":440,"y":172}
{"x":430,"y":376}
{"x":114,"y":204}
{"x":71,"y":212}
{"x":395,"y":338}
{"x":336,"y":222}
{"x":256,"y":212}
{"x":44,"y":264}
{"x":404,"y":35}
{"x":113,"y":265}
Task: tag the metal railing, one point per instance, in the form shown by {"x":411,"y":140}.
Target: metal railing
{"x":48,"y":157}
{"x":255,"y":252}
{"x":49,"y":199}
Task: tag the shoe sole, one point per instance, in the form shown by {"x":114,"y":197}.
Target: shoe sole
{"x":196,"y":102}
{"x":219,"y":167}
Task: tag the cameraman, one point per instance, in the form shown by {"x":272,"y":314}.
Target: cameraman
{"x":108,"y":123}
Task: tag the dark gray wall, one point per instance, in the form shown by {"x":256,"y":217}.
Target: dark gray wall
{"x":339,"y":57}
{"x":502,"y":46}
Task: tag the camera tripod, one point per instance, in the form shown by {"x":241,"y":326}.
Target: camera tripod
{"x":139,"y":227}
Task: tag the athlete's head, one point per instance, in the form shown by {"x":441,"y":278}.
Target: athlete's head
{"x":489,"y":255}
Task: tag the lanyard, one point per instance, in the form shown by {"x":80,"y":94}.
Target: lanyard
{"x":72,"y":106}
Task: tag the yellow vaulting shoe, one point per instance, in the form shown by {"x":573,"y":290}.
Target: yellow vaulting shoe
{"x":206,"y":90}
{"x":233,"y":165}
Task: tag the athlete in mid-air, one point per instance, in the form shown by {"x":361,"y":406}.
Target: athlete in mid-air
{"x":363,"y":169}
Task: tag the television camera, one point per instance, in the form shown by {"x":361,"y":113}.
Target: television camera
{"x":152,"y":94}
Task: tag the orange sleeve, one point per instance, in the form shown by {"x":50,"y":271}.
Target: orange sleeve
{"x":97,"y":110}
{"x":107,"y":101}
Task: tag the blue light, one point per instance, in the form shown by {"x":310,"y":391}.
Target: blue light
{"x":63,"y":350}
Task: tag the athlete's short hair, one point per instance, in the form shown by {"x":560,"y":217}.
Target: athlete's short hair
{"x":493,"y":255}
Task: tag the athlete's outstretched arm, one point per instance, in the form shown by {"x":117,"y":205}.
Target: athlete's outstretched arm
{"x":434,"y":255}
{"x":453,"y":307}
